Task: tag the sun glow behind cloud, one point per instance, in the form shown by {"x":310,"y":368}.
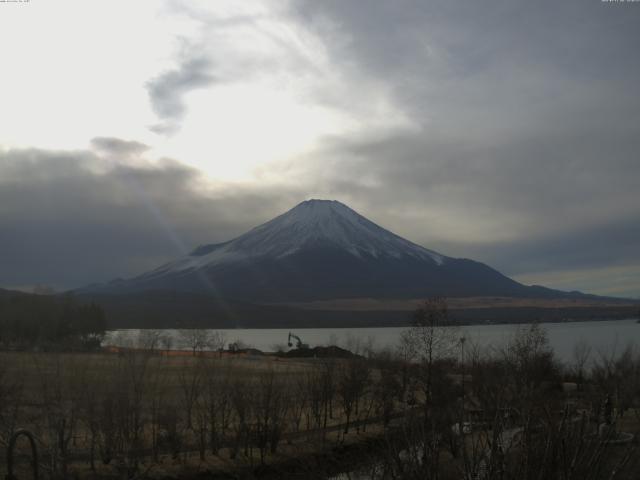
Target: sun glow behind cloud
{"x":233,"y":129}
{"x":66,"y":81}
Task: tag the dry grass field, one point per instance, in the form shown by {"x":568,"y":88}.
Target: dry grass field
{"x":100,"y":413}
{"x":147,"y":414}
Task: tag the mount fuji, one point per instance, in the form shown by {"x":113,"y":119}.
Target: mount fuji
{"x":321,"y":250}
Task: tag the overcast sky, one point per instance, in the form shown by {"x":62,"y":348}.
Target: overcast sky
{"x":504,"y":131}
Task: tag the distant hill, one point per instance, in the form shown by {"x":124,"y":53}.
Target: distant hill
{"x":10,"y":293}
{"x":161,"y":309}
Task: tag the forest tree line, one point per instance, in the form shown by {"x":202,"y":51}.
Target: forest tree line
{"x":49,"y":322}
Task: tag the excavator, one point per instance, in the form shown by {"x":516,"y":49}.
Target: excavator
{"x":299,"y":343}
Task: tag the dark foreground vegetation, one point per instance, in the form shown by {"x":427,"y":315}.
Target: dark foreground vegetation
{"x":437,"y":407}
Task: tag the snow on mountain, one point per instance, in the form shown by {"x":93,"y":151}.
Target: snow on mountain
{"x":318,"y":250}
{"x":311,"y":224}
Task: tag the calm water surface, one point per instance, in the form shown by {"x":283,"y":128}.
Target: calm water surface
{"x":601,"y":336}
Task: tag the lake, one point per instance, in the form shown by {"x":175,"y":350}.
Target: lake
{"x":600,"y":336}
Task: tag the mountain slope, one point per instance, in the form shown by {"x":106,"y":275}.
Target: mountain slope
{"x":322,"y":249}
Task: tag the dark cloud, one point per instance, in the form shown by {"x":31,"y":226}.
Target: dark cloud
{"x":118,"y":147}
{"x":81,"y":219}
{"x":526,"y":127}
{"x":167,"y":90}
{"x":69,"y":218}
{"x":523,"y":206}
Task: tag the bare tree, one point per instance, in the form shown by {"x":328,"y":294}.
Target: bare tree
{"x":581,"y":355}
{"x":124,"y":409}
{"x":530,"y":363}
{"x":149,"y":340}
{"x":321,"y":388}
{"x":299,"y":403}
{"x":196,"y":339}
{"x":217,"y":403}
{"x":11,"y":401}
{"x":242,"y":415}
{"x":91,"y":391}
{"x":158,"y":393}
{"x":59,"y":392}
{"x":217,"y":341}
{"x":190,"y":380}
{"x":353,"y":378}
{"x":429,"y":341}
{"x":617,"y":375}
{"x":166,"y":341}
{"x":387,"y":389}
{"x":199,"y":340}
{"x":269,"y":410}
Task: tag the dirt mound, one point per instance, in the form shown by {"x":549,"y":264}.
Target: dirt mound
{"x":319,"y":352}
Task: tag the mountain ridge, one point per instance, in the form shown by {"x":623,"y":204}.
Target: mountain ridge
{"x":318,"y":250}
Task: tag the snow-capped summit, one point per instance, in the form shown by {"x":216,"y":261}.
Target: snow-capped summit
{"x":320,"y":249}
{"x":312,"y":224}
{"x":329,"y":222}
